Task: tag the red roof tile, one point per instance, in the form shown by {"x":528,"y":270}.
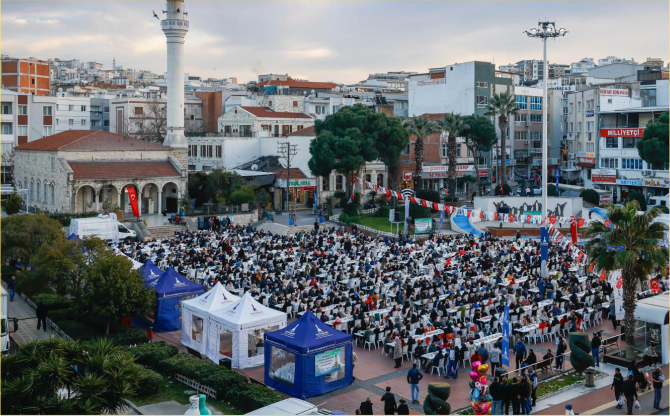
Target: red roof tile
{"x":290,"y":82}
{"x":307,"y":131}
{"x":294,"y":173}
{"x":114,"y":170}
{"x":89,"y":140}
{"x":265,"y":112}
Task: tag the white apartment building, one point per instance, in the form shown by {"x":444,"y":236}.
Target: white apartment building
{"x":132,"y":115}
{"x":581,"y":67}
{"x":72,"y":112}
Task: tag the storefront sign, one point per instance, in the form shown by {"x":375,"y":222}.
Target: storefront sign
{"x":615,"y":91}
{"x":589,"y":113}
{"x":656,"y":183}
{"x":327,"y":362}
{"x":392,"y":215}
{"x":621,"y":132}
{"x":603,"y":176}
{"x":439,"y":168}
{"x":629,"y":182}
{"x":295,"y":183}
{"x":605,"y":198}
{"x":408,"y":176}
{"x":423,"y":225}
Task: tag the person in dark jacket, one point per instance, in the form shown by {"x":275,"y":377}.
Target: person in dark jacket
{"x":403,"y":409}
{"x":389,"y":402}
{"x":366,"y":407}
{"x":595,"y":348}
{"x":497,"y":396}
{"x":531,"y":358}
{"x":506,"y":394}
{"x":413,"y":378}
{"x":483,"y":353}
{"x":617,"y":385}
{"x":41,"y":313}
{"x":524,"y":395}
{"x":519,"y":352}
{"x":629,"y":390}
{"x":515,"y":393}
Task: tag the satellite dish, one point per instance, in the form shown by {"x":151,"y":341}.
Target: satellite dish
{"x":337,"y":89}
{"x":254,"y":167}
{"x":60,"y":89}
{"x":304,"y":93}
{"x":312,"y":91}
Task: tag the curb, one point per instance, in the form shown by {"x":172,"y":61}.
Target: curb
{"x":132,"y":406}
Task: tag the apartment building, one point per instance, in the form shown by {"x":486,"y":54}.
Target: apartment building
{"x":30,"y":76}
{"x":147,"y":116}
{"x":72,"y":112}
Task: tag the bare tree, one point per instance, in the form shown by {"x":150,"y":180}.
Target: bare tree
{"x":7,"y":161}
{"x":147,"y":121}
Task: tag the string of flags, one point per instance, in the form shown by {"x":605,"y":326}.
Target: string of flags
{"x":553,"y":220}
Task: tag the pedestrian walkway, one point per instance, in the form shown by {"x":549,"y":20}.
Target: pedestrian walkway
{"x":27,"y":322}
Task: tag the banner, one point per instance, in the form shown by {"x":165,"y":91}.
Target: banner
{"x":423,"y":225}
{"x":573,"y":232}
{"x":406,"y":212}
{"x":505,"y":337}
{"x":327,"y":362}
{"x":616,"y":281}
{"x":441,"y":218}
{"x":132,"y":196}
{"x":544,"y":249}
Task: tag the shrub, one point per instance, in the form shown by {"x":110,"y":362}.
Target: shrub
{"x":418,"y":211}
{"x":228,"y":384}
{"x":349,"y":219}
{"x":551,"y":190}
{"x":100,"y":325}
{"x":30,"y":284}
{"x":451,"y":198}
{"x":132,"y":336}
{"x":53,"y":302}
{"x":148,"y":382}
{"x":590,"y":196}
{"x":428,"y":195}
{"x":60,"y":315}
{"x":639,"y":197}
{"x":256,"y":396}
{"x":187,"y":366}
{"x":152,"y":353}
{"x":78,"y":330}
{"x":382,"y":212}
{"x":506,"y":190}
{"x":244,"y":195}
{"x":663,"y":209}
{"x":13,"y":203}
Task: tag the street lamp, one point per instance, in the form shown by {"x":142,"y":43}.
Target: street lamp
{"x":544,"y":31}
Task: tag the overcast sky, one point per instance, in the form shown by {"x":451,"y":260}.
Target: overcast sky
{"x":340,"y":41}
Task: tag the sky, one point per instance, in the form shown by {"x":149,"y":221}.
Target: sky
{"x":340,"y":41}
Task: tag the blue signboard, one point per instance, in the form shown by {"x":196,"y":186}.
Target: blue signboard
{"x":589,"y":113}
{"x":544,"y":248}
{"x":505,"y":336}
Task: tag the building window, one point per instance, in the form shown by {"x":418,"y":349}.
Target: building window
{"x":521,"y":102}
{"x":53,"y":194}
{"x":46,"y":131}
{"x":536,"y":103}
{"x":71,"y":107}
{"x":609,"y":162}
{"x":193,"y":150}
{"x":380,"y":179}
{"x":443,"y":150}
{"x":47,"y":111}
{"x":46,"y":200}
{"x":83,"y":108}
{"x":339,"y":182}
{"x":53,"y":163}
{"x":295,"y":103}
{"x":6,"y":108}
{"x":106,"y":109}
{"x":579,"y":126}
{"x":320,"y":109}
{"x":209,"y":150}
{"x":405,"y":151}
{"x":590,"y":147}
{"x":106,"y":123}
{"x":83,"y":122}
{"x":71,"y":122}
{"x":482,"y":100}
{"x":536,"y":135}
{"x":23,"y":110}
{"x":630,"y":142}
{"x":368,"y":178}
{"x":536,"y":118}
{"x":219,"y":151}
{"x":37,"y":196}
{"x":95,"y":123}
{"x":612,"y":142}
{"x":520,"y":135}
{"x":325,"y":183}
{"x":482,"y":84}
{"x":139,"y":110}
{"x":6,"y":128}
{"x":633,"y":164}
{"x":22,"y":130}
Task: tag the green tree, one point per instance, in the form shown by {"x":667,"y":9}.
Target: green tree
{"x":344,"y":142}
{"x":504,"y":190}
{"x":23,"y":235}
{"x":479,"y":138}
{"x":590,"y":196}
{"x":631,"y":245}
{"x":391,"y":139}
{"x":66,"y":377}
{"x":244,"y":195}
{"x":13,"y":203}
{"x":420,"y":127}
{"x":113,"y":290}
{"x":653,"y":147}
{"x":502,"y":105}
{"x":454,"y":125}
{"x":639,"y":197}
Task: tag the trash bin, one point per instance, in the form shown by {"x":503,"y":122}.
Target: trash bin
{"x":589,"y":378}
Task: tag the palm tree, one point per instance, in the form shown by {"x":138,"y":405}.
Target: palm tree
{"x":632,"y":246}
{"x":454,"y":125}
{"x":502,"y":105}
{"x":419,"y":127}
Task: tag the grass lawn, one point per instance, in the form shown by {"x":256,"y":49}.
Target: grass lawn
{"x":555,"y":384}
{"x":174,"y":390}
{"x":379,"y":223}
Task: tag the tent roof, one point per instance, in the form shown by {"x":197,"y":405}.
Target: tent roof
{"x":172,"y":284}
{"x":308,"y":334}
{"x":75,"y":237}
{"x":217,"y":298}
{"x":246,"y":313}
{"x":654,"y":309}
{"x":150,"y":271}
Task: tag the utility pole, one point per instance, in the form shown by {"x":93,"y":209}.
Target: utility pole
{"x":287,"y":151}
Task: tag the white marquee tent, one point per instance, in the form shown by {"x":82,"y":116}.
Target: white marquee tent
{"x":195,"y":316}
{"x":247,"y":320}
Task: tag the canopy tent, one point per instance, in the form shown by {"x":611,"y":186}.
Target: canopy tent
{"x":150,"y":272}
{"x":171,"y":288}
{"x":74,"y":237}
{"x":247,"y":320}
{"x":653,"y":316}
{"x":308,"y":358}
{"x":195,"y":316}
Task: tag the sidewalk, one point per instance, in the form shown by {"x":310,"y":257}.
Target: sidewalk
{"x":27,"y":323}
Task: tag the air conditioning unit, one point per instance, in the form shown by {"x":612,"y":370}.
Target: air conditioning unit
{"x":646,"y":173}
{"x":527,"y":123}
{"x":517,"y":123}
{"x":526,"y":142}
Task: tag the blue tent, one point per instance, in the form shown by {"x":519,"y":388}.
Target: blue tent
{"x":170,"y":288}
{"x":151,"y":273}
{"x":75,"y":237}
{"x":308,"y":358}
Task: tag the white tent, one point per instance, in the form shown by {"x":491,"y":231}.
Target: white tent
{"x":247,"y":320}
{"x":195,"y":316}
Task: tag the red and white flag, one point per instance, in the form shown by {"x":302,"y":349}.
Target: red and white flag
{"x":132,"y":196}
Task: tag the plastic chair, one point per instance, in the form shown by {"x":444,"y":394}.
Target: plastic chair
{"x":439,"y":367}
{"x":369,"y":341}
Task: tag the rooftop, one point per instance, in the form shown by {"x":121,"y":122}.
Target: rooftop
{"x":265,"y":112}
{"x":308,"y":131}
{"x":89,"y":140}
{"x":291,"y":83}
{"x":115,"y":170}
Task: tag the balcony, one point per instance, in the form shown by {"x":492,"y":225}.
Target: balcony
{"x":239,"y":134}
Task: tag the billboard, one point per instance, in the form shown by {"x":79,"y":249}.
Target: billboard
{"x":328,"y":362}
{"x":621,"y":132}
{"x":603,"y":176}
{"x":423,"y":225}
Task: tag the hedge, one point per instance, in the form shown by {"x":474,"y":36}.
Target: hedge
{"x":349,"y":219}
{"x":78,"y":330}
{"x":256,"y":396}
{"x":148,"y":382}
{"x":506,"y":190}
{"x":61,"y":315}
{"x":52,"y":302}
{"x":132,"y":336}
{"x":187,"y":366}
{"x":228,"y":384}
{"x":152,"y":353}
{"x":590,"y":196}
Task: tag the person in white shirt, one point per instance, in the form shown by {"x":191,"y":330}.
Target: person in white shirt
{"x":494,"y":357}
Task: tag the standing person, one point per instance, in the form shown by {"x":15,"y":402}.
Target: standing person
{"x":507,"y":394}
{"x":452,"y":369}
{"x":630,"y":393}
{"x":532,"y":376}
{"x":560,"y":350}
{"x":494,"y":356}
{"x":41,"y":313}
{"x":524,"y":395}
{"x":497,"y":395}
{"x":657,"y":379}
{"x":397,"y":352}
{"x":612,"y":314}
{"x":518,"y":235}
{"x":316,"y":227}
{"x":595,"y":348}
{"x":403,"y":409}
{"x":483,"y":353}
{"x":617,"y":385}
{"x":515,"y":392}
{"x":12,"y":288}
{"x":519,"y":352}
{"x":389,"y":402}
{"x":366,"y":407}
{"x":413,"y":378}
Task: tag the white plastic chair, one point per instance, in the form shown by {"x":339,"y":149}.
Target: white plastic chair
{"x":438,"y":366}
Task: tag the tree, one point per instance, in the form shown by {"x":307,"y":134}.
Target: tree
{"x":631,"y":245}
{"x":420,"y":128}
{"x":653,"y":147}
{"x":149,"y":121}
{"x":23,"y":235}
{"x":639,"y":197}
{"x":66,"y":377}
{"x":436,"y":401}
{"x":13,"y":203}
{"x":344,"y":142}
{"x":391,"y":139}
{"x":502,"y":105}
{"x":113,"y":290}
{"x":244,"y":195}
{"x":503,"y":190}
{"x":479,"y":138}
{"x":454,"y":125}
{"x":590,"y":196}
{"x":7,"y":161}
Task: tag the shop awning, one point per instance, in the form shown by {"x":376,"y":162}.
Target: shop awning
{"x":654,"y":310}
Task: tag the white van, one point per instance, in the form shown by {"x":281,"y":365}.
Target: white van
{"x":102,"y":226}
{"x":658,"y":201}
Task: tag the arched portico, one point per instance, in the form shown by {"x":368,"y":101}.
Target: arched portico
{"x":85,"y":199}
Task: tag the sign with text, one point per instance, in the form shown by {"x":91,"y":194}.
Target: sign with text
{"x":392,"y":215}
{"x":327,"y":362}
{"x":603,"y":176}
{"x":615,"y":91}
{"x":295,"y":183}
{"x":605,"y":198}
{"x":436,"y":81}
{"x":637,"y":132}
{"x":656,"y":183}
{"x":423,"y":225}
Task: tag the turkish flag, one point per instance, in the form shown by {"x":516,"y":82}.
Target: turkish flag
{"x":603,"y":275}
{"x":552,"y":219}
{"x":424,"y":203}
{"x":573,"y":231}
{"x":608,"y":223}
{"x":528,"y":219}
{"x":435,"y":206}
{"x":412,"y":199}
{"x":619,"y":283}
{"x":511,"y":217}
{"x":580,"y":222}
{"x":579,"y":259}
{"x":495,"y":217}
{"x":655,"y":288}
{"x":469,"y":211}
{"x":592,"y":266}
{"x":132,"y":196}
{"x":354,"y":180}
{"x":481,"y":215}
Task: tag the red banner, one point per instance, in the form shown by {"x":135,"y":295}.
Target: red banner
{"x":573,"y":232}
{"x":552,"y":219}
{"x":132,"y":196}
{"x":580,"y":222}
{"x":603,"y":275}
{"x":655,"y":288}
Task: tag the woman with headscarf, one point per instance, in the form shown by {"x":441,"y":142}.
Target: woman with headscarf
{"x":397,"y":352}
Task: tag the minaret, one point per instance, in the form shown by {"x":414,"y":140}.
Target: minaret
{"x":175,"y":27}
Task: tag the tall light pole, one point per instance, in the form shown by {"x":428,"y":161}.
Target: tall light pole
{"x":543,"y":31}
